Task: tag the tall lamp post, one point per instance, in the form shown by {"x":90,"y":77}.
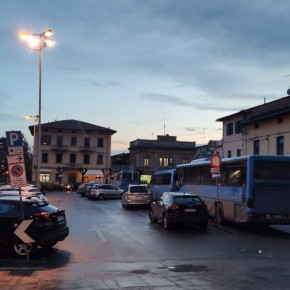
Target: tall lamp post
{"x":36,"y":42}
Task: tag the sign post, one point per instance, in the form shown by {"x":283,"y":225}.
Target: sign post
{"x":215,"y":162}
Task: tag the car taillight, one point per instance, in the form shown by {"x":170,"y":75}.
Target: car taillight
{"x":43,"y":216}
{"x":173,"y":206}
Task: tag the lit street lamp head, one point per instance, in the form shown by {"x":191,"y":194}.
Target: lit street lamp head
{"x":36,"y":41}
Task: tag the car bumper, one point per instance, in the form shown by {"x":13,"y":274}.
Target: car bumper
{"x":187,"y":220}
{"x":54,"y":236}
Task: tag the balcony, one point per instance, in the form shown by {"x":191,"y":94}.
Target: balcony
{"x":87,"y":149}
{"x":59,"y":147}
{"x":73,"y":165}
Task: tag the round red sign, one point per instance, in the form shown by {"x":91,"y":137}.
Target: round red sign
{"x":215,"y":160}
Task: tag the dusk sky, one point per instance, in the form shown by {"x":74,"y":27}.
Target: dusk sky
{"x":143,"y":68}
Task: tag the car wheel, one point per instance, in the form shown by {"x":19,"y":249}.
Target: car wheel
{"x":166,"y":225}
{"x":151,"y":218}
{"x":101,"y":197}
{"x":20,"y":250}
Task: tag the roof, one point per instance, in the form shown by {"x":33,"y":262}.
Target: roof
{"x":264,"y":111}
{"x":72,"y":125}
{"x":166,"y":142}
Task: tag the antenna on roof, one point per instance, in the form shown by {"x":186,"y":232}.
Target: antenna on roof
{"x":288,"y":91}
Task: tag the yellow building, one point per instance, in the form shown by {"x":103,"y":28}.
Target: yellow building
{"x":263,"y":129}
{"x":72,"y":151}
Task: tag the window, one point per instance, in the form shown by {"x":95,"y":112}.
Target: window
{"x":100,"y":159}
{"x":72,"y":158}
{"x":44,"y":158}
{"x":256,"y":125}
{"x":280,"y":145}
{"x":229,"y":153}
{"x":229,"y":129}
{"x":238,"y":127}
{"x":59,"y":141}
{"x":58,"y":158}
{"x":87,"y":141}
{"x":185,"y":160}
{"x":239,"y":152}
{"x":101,"y":142}
{"x":86,"y":159}
{"x":146,"y":162}
{"x":45,"y":140}
{"x":165,"y":162}
{"x":73,"y":141}
{"x":256,"y":148}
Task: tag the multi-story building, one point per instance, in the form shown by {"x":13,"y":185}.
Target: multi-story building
{"x":262,"y":129}
{"x":166,"y":152}
{"x":72,"y":151}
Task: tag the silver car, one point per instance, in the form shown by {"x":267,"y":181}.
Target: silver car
{"x":136,"y":195}
{"x":103,"y":191}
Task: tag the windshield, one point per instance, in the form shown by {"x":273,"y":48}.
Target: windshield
{"x":139,"y":189}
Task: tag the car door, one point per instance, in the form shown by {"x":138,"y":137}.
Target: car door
{"x":158,"y":208}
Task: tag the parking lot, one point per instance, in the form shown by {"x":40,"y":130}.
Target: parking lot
{"x":110,"y":247}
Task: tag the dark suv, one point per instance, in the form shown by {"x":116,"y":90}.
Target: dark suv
{"x":48,"y":224}
{"x":179,"y":208}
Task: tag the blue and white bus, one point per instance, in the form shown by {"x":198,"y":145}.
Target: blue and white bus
{"x":251,"y":189}
{"x":162,"y":181}
{"x":125,"y":177}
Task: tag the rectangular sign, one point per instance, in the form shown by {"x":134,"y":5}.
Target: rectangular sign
{"x":17,"y":175}
{"x":15,"y":159}
{"x":15,"y":150}
{"x":14,"y":139}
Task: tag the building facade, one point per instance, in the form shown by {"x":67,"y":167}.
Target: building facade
{"x":264,"y":129}
{"x":72,"y":151}
{"x":166,"y":152}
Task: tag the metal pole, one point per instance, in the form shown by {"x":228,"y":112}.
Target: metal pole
{"x":39,"y":114}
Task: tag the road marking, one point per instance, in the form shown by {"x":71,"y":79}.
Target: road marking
{"x":101,"y":236}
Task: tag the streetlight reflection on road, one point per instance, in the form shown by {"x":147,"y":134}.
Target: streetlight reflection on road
{"x":37,"y":42}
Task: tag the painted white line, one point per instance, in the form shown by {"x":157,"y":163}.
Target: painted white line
{"x":101,"y":236}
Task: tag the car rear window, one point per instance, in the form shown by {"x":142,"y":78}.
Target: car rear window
{"x":139,"y":189}
{"x":184,"y":200}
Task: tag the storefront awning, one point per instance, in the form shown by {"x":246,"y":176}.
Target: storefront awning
{"x":92,"y":172}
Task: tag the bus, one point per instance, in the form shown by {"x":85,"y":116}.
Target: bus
{"x":125,"y":177}
{"x":162,"y":181}
{"x":249,"y":189}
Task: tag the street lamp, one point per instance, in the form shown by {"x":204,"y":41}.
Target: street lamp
{"x":37,"y":42}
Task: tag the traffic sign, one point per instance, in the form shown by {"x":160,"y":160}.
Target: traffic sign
{"x":17,"y":175}
{"x":14,"y":138}
{"x":21,"y":234}
{"x":15,"y":150}
{"x":15,"y":159}
{"x":215,"y":160}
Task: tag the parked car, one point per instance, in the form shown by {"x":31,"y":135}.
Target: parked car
{"x":82,"y":189}
{"x":179,"y":208}
{"x":48,"y":226}
{"x":104,"y":191}
{"x":136,"y":195}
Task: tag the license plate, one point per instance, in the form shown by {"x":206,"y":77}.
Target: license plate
{"x":190,"y":210}
{"x":60,"y":218}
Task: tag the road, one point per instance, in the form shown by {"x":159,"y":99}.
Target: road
{"x":113,"y":248}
